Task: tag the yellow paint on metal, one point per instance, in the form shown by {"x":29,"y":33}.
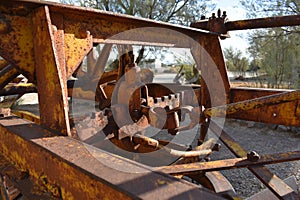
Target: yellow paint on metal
{"x":17,"y":46}
{"x":297,"y":111}
{"x":51,"y":82}
{"x":76,"y":48}
{"x":8,"y":74}
{"x":253,"y":103}
{"x":27,"y":115}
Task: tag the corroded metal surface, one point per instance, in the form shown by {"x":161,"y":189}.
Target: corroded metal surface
{"x":72,"y":170}
{"x":48,"y":42}
{"x":219,"y":24}
{"x":275,"y":184}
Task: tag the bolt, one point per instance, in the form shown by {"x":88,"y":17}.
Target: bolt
{"x":216,"y":147}
{"x":219,"y":13}
{"x":253,"y":156}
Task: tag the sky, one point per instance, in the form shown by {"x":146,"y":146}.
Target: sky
{"x":234,"y":12}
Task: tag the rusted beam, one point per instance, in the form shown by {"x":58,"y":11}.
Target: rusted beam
{"x":17,"y":183}
{"x":267,"y":22}
{"x":21,"y":88}
{"x":50,"y":74}
{"x":285,"y":113}
{"x":103,"y":25}
{"x":238,"y":94}
{"x":275,"y":184}
{"x":233,"y":163}
{"x":16,"y":43}
{"x":71,"y":169}
{"x":220,"y":26}
{"x":7,"y":74}
{"x":253,"y":104}
{"x":214,"y":80}
{"x":27,"y":115}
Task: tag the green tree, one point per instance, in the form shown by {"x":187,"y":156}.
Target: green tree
{"x":235,"y":60}
{"x":277,"y":49}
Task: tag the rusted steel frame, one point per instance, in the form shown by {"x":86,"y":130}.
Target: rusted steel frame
{"x":7,"y":74}
{"x":21,"y":88}
{"x":220,"y":26}
{"x":16,"y":43}
{"x":27,"y":115}
{"x":212,"y":79}
{"x":238,"y":94}
{"x":285,"y":114}
{"x":3,"y":63}
{"x":20,"y":182}
{"x":267,"y":22}
{"x":74,"y":170}
{"x":270,"y":180}
{"x":50,"y":74}
{"x":233,"y":163}
{"x":252,"y":104}
{"x":103,"y":25}
{"x":219,"y":184}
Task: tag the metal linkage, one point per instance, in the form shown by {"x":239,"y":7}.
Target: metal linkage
{"x":275,"y":184}
{"x":219,"y":24}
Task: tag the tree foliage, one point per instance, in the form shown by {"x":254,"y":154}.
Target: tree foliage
{"x":175,"y":11}
{"x":235,"y":60}
{"x":263,"y":8}
{"x":277,"y":49}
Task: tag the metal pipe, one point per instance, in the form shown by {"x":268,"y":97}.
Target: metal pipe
{"x":233,"y":163}
{"x":267,"y":22}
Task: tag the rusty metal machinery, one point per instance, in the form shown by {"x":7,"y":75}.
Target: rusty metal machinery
{"x":42,"y":156}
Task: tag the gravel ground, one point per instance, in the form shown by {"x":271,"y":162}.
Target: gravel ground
{"x":264,"y":139}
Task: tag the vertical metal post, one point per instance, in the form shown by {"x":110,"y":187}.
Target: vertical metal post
{"x":50,"y":74}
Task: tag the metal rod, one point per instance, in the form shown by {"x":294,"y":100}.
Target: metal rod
{"x":252,"y":104}
{"x":22,"y":88}
{"x":275,"y":184}
{"x":267,"y":22}
{"x":199,"y":151}
{"x":233,"y":163}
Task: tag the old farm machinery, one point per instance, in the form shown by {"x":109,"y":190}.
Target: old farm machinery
{"x":61,"y":153}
